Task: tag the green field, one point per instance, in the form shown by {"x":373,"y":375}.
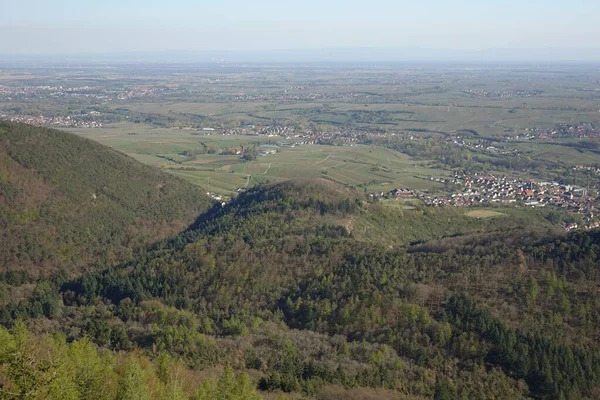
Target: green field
{"x":376,"y":168}
{"x":483,"y":213}
{"x":560,"y":151}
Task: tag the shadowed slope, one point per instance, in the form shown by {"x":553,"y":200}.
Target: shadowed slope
{"x":66,"y":202}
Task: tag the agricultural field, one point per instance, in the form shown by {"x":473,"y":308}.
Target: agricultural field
{"x":353,"y":122}
{"x":373,"y":168}
{"x":429,"y":98}
{"x":566,"y":152}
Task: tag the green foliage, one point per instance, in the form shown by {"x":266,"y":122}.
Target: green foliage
{"x":228,"y":387}
{"x":282,"y":282}
{"x":133,"y":383}
{"x":533,"y":289}
{"x":68,"y":202}
{"x":550,"y":368}
{"x":49,"y":368}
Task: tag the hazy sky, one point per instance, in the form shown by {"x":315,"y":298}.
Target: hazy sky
{"x":75,"y":26}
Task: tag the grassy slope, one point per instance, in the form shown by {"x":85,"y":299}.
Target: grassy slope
{"x":66,"y":202}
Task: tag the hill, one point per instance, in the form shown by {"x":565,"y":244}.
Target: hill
{"x":318,"y":293}
{"x":67,"y":203}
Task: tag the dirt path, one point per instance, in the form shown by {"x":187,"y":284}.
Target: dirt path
{"x":267,"y":170}
{"x":319,"y":162}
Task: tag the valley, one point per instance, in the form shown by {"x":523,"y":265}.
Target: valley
{"x":322,"y":231}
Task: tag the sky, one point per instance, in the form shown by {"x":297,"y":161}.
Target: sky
{"x":115,"y":26}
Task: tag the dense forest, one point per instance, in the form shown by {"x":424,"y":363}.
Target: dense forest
{"x":67,"y":203}
{"x":305,"y":290}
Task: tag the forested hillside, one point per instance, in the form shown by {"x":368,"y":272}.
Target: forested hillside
{"x":68,"y":203}
{"x":300,"y":285}
{"x":49,"y":368}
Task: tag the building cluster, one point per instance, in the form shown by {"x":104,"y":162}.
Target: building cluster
{"x":483,"y":145}
{"x":286,"y":95}
{"x":502,"y":189}
{"x":580,"y":130}
{"x":301,"y":136}
{"x":140,"y":93}
{"x":267,"y":149}
{"x":89,"y":92}
{"x":394,"y":194}
{"x":396,"y":82}
{"x":586,"y":226}
{"x":32,"y":90}
{"x":275,"y":130}
{"x":268,"y":130}
{"x":249,"y":130}
{"x":482,"y":189}
{"x":75,"y":121}
{"x":592,"y":168}
{"x":46,"y":91}
{"x":217,"y":197}
{"x":502,"y":93}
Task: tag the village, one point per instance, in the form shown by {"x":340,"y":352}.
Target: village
{"x":482,"y":145}
{"x":484,"y":189}
{"x":298,"y":135}
{"x":471,"y":190}
{"x":466,"y":190}
{"x":286,"y":95}
{"x":502,"y":93}
{"x":75,"y":121}
{"x":581,"y":130}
